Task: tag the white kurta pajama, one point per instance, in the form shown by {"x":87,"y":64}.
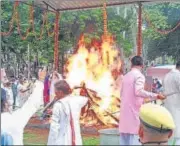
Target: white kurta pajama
{"x":171,"y":84}
{"x":14,"y":123}
{"x":60,"y":130}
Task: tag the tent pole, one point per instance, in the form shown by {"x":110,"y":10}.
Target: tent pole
{"x":56,"y":42}
{"x":139,"y":33}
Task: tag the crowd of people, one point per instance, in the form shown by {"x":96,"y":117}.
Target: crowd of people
{"x":16,"y":91}
{"x":157,"y":86}
{"x":140,"y":123}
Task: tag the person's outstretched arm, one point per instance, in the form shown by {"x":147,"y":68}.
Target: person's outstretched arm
{"x":139,"y":89}
{"x":33,"y":103}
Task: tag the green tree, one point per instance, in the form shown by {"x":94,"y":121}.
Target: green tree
{"x":163,"y":16}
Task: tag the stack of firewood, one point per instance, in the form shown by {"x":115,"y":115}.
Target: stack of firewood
{"x":93,"y":115}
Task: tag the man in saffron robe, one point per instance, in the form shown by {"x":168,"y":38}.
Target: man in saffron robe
{"x":132,"y":97}
{"x":65,"y":127}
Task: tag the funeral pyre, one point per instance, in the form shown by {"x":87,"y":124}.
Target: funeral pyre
{"x":93,"y":72}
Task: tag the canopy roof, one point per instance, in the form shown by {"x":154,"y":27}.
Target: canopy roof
{"x":63,"y":5}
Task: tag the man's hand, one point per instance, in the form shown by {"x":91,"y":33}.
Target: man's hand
{"x":161,"y":97}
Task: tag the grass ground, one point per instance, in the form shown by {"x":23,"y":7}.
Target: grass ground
{"x":39,"y":137}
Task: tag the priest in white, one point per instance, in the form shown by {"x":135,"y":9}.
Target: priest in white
{"x":14,"y":123}
{"x":171,"y":84}
{"x":65,"y":126}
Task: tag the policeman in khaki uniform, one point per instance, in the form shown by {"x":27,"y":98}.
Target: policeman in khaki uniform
{"x":156,"y":126}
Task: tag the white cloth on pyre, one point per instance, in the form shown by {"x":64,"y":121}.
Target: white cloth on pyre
{"x":14,"y":123}
{"x":171,"y":84}
{"x":60,"y":130}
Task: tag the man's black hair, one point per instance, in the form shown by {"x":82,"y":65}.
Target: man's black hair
{"x":137,"y":61}
{"x":63,"y":86}
{"x":178,"y":64}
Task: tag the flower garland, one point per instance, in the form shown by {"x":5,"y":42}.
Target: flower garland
{"x":11,"y":21}
{"x":105,"y":20}
{"x":139,"y":33}
{"x":56,"y":42}
{"x":15,"y":18}
{"x":163,"y":32}
{"x":18,"y":24}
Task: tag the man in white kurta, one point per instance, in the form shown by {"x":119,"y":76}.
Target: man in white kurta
{"x":14,"y":123}
{"x":172,"y":103}
{"x":61,"y":129}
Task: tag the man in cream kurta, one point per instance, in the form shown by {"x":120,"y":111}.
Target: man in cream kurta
{"x":172,"y":103}
{"x":67,"y":108}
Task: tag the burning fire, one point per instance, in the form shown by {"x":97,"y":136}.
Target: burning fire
{"x":92,"y":69}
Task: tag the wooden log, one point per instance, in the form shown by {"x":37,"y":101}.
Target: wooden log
{"x":93,"y":99}
{"x":108,"y":113}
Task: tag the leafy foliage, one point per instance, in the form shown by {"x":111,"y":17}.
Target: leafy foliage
{"x":164,"y":17}
{"x":89,"y":22}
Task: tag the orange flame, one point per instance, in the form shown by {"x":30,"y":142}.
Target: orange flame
{"x":94,"y":67}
